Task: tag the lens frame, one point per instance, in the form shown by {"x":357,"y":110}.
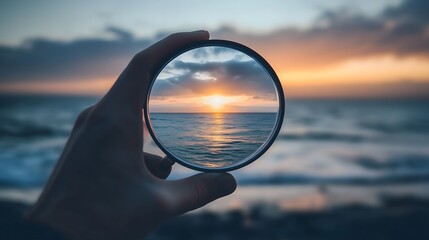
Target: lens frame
{"x":255,"y":56}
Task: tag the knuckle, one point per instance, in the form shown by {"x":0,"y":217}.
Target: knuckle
{"x":201,"y":194}
{"x":98,"y":115}
{"x":172,"y":36}
{"x":140,"y":58}
{"x":83,"y":116}
{"x":102,"y":119}
{"x":167,"y":206}
{"x":175,"y":36}
{"x":141,"y":61}
{"x":166,"y":202}
{"x":81,"y":121}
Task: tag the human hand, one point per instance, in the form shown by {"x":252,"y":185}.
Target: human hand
{"x":104,"y":186}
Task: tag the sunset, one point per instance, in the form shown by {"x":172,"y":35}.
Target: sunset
{"x":213,"y":79}
{"x":216,"y":102}
{"x":129,"y":120}
{"x":186,"y":95}
{"x":359,"y":52}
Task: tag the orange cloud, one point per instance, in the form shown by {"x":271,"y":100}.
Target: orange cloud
{"x":342,"y":55}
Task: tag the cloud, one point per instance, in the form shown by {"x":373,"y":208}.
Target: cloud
{"x":120,"y":33}
{"x":49,"y":60}
{"x":392,"y":90}
{"x":410,"y":11}
{"x":401,"y":31}
{"x":232,"y":77}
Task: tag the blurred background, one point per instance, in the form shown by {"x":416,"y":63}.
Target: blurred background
{"x":352,"y":158}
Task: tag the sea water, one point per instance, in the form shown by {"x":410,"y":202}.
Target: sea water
{"x":322,"y":142}
{"x":213,"y":139}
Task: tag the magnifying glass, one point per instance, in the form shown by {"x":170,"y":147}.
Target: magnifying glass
{"x":215,"y":105}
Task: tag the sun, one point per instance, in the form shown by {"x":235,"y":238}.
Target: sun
{"x":216,"y":101}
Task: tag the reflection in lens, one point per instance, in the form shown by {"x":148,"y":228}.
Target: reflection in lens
{"x":213,"y":107}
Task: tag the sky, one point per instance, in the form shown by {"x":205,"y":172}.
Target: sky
{"x":319,"y":49}
{"x":213,"y":79}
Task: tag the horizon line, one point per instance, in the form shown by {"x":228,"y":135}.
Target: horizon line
{"x":97,"y":95}
{"x":208,"y":112}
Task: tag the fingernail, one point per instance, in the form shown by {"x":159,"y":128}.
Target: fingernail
{"x":226,"y":184}
{"x":166,"y":163}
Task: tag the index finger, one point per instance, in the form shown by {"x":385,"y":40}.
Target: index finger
{"x":131,"y":88}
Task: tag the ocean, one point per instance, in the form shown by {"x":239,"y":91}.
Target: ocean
{"x":358,"y":149}
{"x":213,"y":140}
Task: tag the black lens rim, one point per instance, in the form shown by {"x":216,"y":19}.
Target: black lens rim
{"x":256,"y":57}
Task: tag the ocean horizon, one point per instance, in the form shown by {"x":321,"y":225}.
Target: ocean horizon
{"x":361,"y":143}
{"x":213,"y":139}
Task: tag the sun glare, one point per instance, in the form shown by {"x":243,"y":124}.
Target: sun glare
{"x":216,"y":101}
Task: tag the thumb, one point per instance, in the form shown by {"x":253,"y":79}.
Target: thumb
{"x":198,"y":190}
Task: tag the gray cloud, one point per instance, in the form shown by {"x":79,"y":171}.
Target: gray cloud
{"x":41,"y":59}
{"x":410,"y":11}
{"x":120,"y":33}
{"x":340,"y":35}
{"x":232,"y":77}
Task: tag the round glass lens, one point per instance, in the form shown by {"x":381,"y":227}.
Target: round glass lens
{"x":214,"y":107}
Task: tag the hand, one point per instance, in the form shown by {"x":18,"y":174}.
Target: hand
{"x":104,"y":186}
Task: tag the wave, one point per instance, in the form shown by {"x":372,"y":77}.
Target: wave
{"x":414,"y":162}
{"x":323,"y":136}
{"x":15,"y":128}
{"x":275,"y":180}
{"x":26,"y":131}
{"x":411,"y":126}
{"x":23,"y":182}
{"x":357,"y":180}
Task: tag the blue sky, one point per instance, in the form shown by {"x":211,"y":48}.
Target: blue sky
{"x":319,"y":49}
{"x":67,"y":20}
{"x":213,"y":78}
